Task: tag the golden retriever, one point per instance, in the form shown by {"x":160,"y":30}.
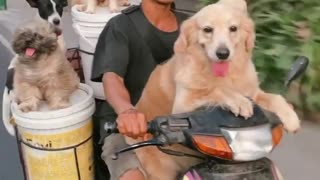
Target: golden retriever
{"x":211,"y":65}
{"x":89,"y":6}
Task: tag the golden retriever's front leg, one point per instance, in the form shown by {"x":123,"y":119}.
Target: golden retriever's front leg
{"x":124,"y":3}
{"x":113,"y":6}
{"x":91,"y":6}
{"x":188,"y":100}
{"x":81,"y":7}
{"x":278,"y":105}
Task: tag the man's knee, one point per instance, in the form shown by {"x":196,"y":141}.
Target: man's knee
{"x":126,"y":165}
{"x":132,"y":174}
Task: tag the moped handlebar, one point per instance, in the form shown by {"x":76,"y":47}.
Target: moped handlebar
{"x":112,"y":127}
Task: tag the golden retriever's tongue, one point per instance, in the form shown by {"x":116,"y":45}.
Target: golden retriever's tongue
{"x":220,"y":69}
{"x":30,"y":51}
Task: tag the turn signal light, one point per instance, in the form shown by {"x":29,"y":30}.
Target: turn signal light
{"x":213,"y":146}
{"x":277,"y":135}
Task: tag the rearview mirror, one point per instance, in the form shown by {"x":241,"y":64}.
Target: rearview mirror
{"x":297,"y":69}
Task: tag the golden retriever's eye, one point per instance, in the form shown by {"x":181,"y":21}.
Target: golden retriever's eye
{"x":208,"y":29}
{"x":233,"y":28}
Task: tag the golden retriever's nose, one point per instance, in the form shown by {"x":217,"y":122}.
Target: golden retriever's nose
{"x":223,"y":53}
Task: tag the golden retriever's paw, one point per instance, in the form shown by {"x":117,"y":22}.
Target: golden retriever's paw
{"x":90,"y":11}
{"x":290,"y":120}
{"x":286,"y":114}
{"x":81,"y":8}
{"x":114,"y":9}
{"x":124,"y":3}
{"x":59,"y":105}
{"x":27,"y":106}
{"x":240,"y":106}
{"x":246,"y":108}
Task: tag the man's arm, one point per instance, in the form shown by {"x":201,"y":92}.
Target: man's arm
{"x":116,"y":93}
{"x":110,"y":65}
{"x":130,"y":122}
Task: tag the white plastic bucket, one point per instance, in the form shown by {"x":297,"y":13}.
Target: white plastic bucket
{"x":89,"y":28}
{"x":86,"y":62}
{"x":57,"y":144}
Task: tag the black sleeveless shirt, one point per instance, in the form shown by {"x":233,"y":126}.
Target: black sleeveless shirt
{"x":131,"y":47}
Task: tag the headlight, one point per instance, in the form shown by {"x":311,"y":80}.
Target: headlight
{"x":240,"y":144}
{"x":249,"y":143}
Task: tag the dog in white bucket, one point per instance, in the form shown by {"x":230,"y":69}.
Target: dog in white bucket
{"x":41,"y":71}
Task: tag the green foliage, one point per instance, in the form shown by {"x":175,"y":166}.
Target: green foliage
{"x":284,"y":30}
{"x":3,"y":5}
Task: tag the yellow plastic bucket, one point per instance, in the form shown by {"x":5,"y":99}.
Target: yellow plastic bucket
{"x":58,"y":145}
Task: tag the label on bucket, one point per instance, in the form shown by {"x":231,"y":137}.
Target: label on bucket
{"x":66,"y":155}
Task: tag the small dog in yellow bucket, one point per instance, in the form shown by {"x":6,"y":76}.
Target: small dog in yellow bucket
{"x":42,"y":71}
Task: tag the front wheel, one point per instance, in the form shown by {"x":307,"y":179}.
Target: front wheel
{"x":262,"y":169}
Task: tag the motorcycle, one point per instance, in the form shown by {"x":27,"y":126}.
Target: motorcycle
{"x":232,"y":148}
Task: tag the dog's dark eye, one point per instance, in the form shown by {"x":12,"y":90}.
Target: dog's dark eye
{"x":233,"y":28}
{"x":208,"y":29}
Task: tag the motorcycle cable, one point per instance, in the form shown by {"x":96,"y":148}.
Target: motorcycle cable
{"x":177,"y":153}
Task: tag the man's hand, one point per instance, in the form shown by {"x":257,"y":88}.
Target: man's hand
{"x":132,"y":123}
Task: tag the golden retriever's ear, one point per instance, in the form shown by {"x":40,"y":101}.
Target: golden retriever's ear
{"x":249,"y":34}
{"x":187,"y":35}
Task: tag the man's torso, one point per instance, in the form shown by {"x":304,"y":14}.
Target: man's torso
{"x":148,"y":46}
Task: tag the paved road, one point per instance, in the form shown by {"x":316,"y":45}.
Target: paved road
{"x":297,"y":155}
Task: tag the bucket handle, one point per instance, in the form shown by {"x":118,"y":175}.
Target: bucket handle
{"x":6,"y":112}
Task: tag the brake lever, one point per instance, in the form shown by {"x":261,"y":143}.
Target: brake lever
{"x":160,"y":140}
{"x":152,"y":142}
{"x":160,"y":129}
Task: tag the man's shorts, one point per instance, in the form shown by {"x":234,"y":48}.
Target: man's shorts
{"x":125,"y":161}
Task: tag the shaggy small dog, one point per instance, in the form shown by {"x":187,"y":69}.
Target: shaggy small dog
{"x":41,"y":71}
{"x":89,"y":6}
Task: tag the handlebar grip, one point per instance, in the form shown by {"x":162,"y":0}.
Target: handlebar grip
{"x":111,"y":127}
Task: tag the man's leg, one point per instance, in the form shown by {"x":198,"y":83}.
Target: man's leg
{"x":101,"y":171}
{"x":132,"y":174}
{"x":127,"y":166}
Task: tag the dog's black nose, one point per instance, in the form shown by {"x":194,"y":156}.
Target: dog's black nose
{"x":56,"y":21}
{"x":223,"y":53}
